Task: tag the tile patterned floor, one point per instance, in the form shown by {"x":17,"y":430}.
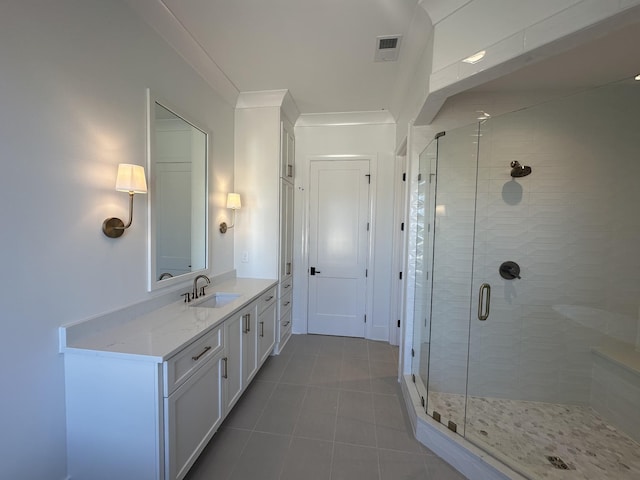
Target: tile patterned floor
{"x":327,"y":408}
{"x":522,"y":434}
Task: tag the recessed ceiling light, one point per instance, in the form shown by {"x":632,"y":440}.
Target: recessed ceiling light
{"x":476,"y":57}
{"x":482,"y":115}
{"x":637,"y":77}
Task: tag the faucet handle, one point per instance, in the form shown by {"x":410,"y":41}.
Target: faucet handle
{"x":202,"y":291}
{"x":187,"y":297}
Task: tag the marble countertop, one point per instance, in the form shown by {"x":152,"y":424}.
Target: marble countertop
{"x":161,"y":333}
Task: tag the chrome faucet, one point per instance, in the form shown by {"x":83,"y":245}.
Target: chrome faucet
{"x":194,"y":294}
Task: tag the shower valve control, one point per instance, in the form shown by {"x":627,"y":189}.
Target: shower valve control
{"x":509,"y":270}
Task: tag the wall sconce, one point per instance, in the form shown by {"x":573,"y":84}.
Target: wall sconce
{"x":130,"y":179}
{"x":233,"y":202}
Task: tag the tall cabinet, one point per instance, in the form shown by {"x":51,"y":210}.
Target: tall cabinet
{"x":265,"y":178}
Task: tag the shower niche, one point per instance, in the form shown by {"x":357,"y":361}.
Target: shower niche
{"x":553,"y":189}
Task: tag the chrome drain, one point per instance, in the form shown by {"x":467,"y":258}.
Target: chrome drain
{"x":558,"y":463}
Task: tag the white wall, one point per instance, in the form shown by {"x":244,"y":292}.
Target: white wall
{"x":378,"y":142}
{"x":414,"y":67}
{"x":74,"y":74}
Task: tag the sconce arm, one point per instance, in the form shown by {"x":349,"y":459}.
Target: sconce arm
{"x":114,"y":227}
{"x":130,"y":211}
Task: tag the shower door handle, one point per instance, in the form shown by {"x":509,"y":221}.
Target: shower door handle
{"x":484,"y":300}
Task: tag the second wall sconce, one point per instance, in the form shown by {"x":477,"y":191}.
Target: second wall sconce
{"x":233,"y":202}
{"x":130,"y":179}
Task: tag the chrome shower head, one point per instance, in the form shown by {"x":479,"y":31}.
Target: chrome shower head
{"x":518,"y":170}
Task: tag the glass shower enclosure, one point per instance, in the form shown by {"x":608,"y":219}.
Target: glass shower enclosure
{"x":527,"y":285}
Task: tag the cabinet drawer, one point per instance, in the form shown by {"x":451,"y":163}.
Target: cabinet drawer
{"x":285,"y":302}
{"x":266,"y":299}
{"x":285,"y":287}
{"x":285,"y":326}
{"x":182,"y":365}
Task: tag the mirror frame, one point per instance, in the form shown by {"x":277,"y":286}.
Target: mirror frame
{"x":153,"y":283}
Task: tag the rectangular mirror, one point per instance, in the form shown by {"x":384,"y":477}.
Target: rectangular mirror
{"x":178,"y":171}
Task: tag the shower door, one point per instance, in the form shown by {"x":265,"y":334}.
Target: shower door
{"x":423,"y":214}
{"x":453,"y":242}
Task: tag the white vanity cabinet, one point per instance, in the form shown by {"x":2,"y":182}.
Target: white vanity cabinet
{"x":265,"y":177}
{"x":144,"y":399}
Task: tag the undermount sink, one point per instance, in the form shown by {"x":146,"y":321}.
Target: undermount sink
{"x":217,"y":300}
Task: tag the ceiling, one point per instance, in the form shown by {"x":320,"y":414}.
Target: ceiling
{"x":322,"y":51}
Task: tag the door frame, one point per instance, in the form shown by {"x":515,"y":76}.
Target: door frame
{"x":373,"y":170}
{"x":399,"y":244}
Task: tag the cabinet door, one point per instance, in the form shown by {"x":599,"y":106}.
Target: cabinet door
{"x":250,"y":342}
{"x":287,"y":152}
{"x":291,"y":157}
{"x":266,"y":332}
{"x":192,"y":415}
{"x":232,"y":369}
{"x":286,"y":230}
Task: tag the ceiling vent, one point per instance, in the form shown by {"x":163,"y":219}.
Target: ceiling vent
{"x":387,"y":48}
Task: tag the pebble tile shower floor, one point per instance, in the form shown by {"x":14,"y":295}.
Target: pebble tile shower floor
{"x":326,"y":408}
{"x":527,"y":433}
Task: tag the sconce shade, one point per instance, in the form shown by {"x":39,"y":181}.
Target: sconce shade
{"x":131,"y":179}
{"x":233,"y":201}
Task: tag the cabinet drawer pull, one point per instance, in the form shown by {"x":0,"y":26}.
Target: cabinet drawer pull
{"x":287,"y":285}
{"x":288,"y":270}
{"x":225,"y":373}
{"x":262,"y":329}
{"x":247,"y":322}
{"x":286,"y":304}
{"x":197,"y":357}
{"x":286,"y":324}
{"x":268,"y":298}
{"x":289,"y":170}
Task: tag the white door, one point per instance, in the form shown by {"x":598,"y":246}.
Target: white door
{"x":338,"y":246}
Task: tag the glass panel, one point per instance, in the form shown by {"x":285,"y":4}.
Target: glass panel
{"x":554,"y":372}
{"x":452,"y":260}
{"x":422,"y":296}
